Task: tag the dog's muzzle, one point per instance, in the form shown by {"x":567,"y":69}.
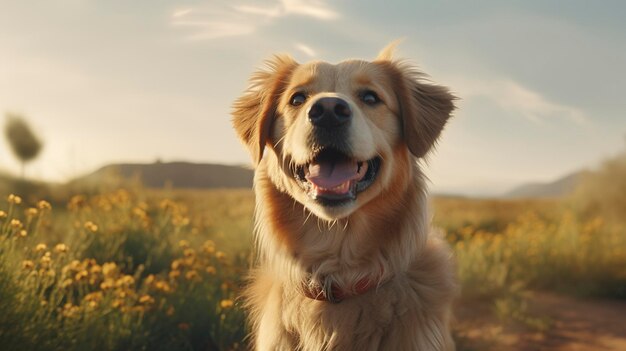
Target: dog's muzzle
{"x":333,"y":176}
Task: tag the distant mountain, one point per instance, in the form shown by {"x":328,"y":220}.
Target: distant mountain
{"x":198,"y":176}
{"x":174,"y":174}
{"x":560,"y":187}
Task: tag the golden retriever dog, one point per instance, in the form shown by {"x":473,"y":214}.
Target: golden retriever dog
{"x":345,"y":256}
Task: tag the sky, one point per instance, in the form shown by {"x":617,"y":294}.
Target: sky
{"x":541,"y":83}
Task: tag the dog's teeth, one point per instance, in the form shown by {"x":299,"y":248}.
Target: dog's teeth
{"x":340,"y":189}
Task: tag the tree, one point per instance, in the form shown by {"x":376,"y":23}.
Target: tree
{"x":24,"y":143}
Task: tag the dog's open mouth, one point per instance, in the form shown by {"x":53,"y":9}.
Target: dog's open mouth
{"x":333,"y":178}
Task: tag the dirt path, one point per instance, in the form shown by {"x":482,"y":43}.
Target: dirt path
{"x":575,"y":325}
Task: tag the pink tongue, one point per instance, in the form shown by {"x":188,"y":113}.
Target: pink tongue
{"x":328,"y":174}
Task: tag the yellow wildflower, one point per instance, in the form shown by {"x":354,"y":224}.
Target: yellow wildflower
{"x":104,"y":204}
{"x":167,"y":204}
{"x":146,"y":299}
{"x":28,"y":264}
{"x":41,"y":247}
{"x":22,"y":233}
{"x":149,"y":279}
{"x":121,"y":196}
{"x":61,"y":248}
{"x":3,"y":215}
{"x":189,"y":252}
{"x":107,"y":284}
{"x":46,"y":258}
{"x":140,"y":213}
{"x":183,"y":244}
{"x":31,"y":212}
{"x":74,"y":265}
{"x":81,"y":275}
{"x":189,"y":261}
{"x":109,"y":269}
{"x":174,"y":274}
{"x":126,"y":280}
{"x":208,"y":246}
{"x":139,"y":309}
{"x":91,"y":226}
{"x":44,"y":205}
{"x":191,"y":275}
{"x":95,"y":269}
{"x":220,"y":255}
{"x":211,"y":270}
{"x":226,"y":303}
{"x":16,"y":224}
{"x":70,"y":310}
{"x":180,"y":221}
{"x":176,"y":264}
{"x":163,"y":286}
{"x":14,"y":199}
{"x":76,"y":202}
{"x":94,"y":296}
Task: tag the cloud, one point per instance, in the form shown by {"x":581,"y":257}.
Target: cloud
{"x":305,"y":49}
{"x":205,"y":30}
{"x":181,"y":12}
{"x":316,"y":9}
{"x":226,"y":20}
{"x":513,"y":97}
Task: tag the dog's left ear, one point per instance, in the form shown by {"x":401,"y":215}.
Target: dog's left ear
{"x":424,"y":108}
{"x":254,"y":112}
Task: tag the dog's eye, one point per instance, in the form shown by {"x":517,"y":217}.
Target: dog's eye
{"x":297,"y":99}
{"x":369,"y":97}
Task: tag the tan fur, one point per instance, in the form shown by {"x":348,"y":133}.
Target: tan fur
{"x":384,"y":234}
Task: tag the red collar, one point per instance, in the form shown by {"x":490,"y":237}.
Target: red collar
{"x":332,"y":293}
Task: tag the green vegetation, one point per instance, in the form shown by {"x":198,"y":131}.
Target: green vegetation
{"x":603,"y":193}
{"x":566,"y":254}
{"x":115,"y":272}
{"x":161,"y":270}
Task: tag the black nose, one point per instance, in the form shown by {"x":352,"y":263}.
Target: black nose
{"x":329,"y":112}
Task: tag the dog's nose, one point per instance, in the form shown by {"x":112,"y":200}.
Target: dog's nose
{"x":329,"y":112}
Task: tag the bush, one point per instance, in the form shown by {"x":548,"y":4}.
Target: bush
{"x":603,"y":192}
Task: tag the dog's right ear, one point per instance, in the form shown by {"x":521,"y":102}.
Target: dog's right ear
{"x":254,"y":112}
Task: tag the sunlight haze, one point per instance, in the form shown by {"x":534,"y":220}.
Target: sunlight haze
{"x":540,"y":83}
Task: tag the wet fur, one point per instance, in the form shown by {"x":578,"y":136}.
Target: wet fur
{"x":386,"y":231}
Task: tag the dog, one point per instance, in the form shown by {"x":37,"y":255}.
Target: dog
{"x":345,"y":258}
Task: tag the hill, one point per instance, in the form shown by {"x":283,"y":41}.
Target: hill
{"x":557,"y":188}
{"x":183,"y":175}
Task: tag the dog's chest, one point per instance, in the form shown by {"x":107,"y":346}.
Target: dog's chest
{"x":358,"y":323}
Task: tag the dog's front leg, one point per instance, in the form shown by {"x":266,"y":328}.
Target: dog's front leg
{"x":412,"y":332}
{"x":271,"y":334}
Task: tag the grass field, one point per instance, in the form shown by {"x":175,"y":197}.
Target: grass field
{"x":161,"y":270}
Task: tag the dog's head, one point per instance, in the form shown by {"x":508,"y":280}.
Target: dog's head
{"x":340,"y":135}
